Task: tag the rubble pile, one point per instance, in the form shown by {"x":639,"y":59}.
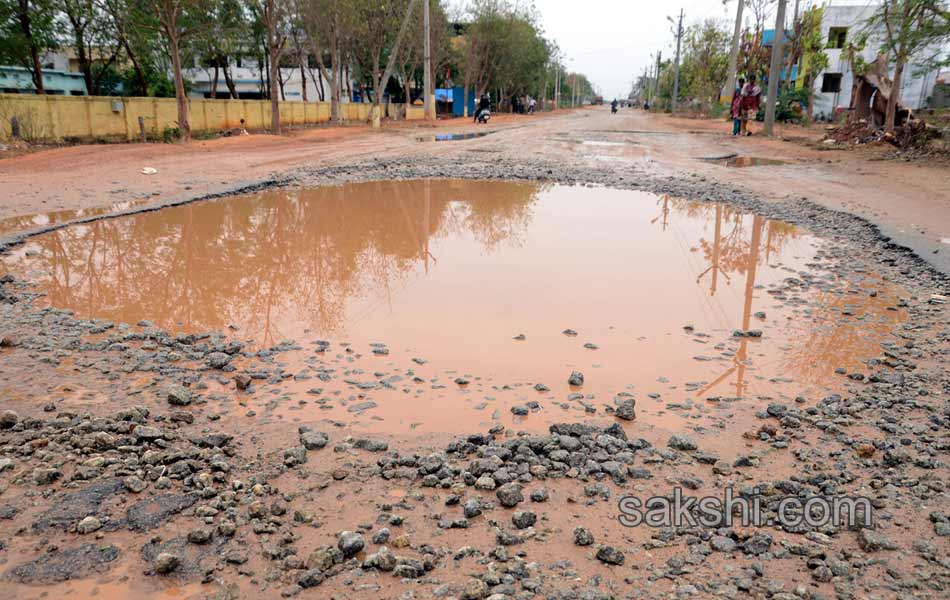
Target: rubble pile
{"x":915,"y":134}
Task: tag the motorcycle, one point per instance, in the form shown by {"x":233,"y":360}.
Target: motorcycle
{"x":483,"y":116}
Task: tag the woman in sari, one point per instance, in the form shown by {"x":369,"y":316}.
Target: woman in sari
{"x":751,"y":97}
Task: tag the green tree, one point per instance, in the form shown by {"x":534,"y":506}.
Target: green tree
{"x":27,"y":30}
{"x":812,"y":47}
{"x":175,"y":20}
{"x":328,"y":26}
{"x":379,"y":29}
{"x":138,"y":44}
{"x":705,"y":62}
{"x":505,"y":49}
{"x":410,"y":63}
{"x":911,"y":27}
{"x":221,"y":38}
{"x":754,"y":57}
{"x":95,"y":40}
{"x":275,"y":20}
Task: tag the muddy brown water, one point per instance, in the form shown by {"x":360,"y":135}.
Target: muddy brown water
{"x":23,"y":223}
{"x":454,"y":137}
{"x":416,"y":284}
{"x":753,"y":161}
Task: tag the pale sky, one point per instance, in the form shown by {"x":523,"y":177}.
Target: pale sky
{"x":611,"y":40}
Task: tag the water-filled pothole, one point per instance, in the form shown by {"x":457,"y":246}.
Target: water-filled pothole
{"x":24,"y":223}
{"x":737,"y":161}
{"x":422,"y":304}
{"x":454,"y":137}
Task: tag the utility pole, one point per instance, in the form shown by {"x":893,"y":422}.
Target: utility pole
{"x":734,"y":54}
{"x":656,"y":79}
{"x":676,"y":67}
{"x":574,"y":90}
{"x":557,"y":85}
{"x":429,"y":100}
{"x":543,"y":96}
{"x":775,"y":69}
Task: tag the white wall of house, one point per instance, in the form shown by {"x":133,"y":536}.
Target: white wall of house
{"x":247,"y":80}
{"x":915,"y":89}
{"x":57,"y":61}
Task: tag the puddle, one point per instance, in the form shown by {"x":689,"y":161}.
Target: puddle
{"x":603,"y":143}
{"x":25,"y":223}
{"x":416,"y":284}
{"x":454,"y":137}
{"x":736,"y":161}
{"x":595,"y":143}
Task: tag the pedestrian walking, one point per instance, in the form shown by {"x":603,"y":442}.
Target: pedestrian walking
{"x":751,"y":97}
{"x":735,"y":108}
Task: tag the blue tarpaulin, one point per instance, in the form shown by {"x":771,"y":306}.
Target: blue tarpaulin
{"x":458,"y":103}
{"x":768,"y":37}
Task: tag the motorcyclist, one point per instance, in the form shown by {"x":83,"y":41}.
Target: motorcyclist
{"x":613,"y":106}
{"x":484,"y":103}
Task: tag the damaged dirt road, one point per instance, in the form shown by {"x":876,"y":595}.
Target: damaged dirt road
{"x":908,"y":201}
{"x":347,"y":364}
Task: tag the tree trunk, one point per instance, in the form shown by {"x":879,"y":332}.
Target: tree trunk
{"x":465,"y":88}
{"x":265,"y":74}
{"x":375,"y":112}
{"x":23,"y":15}
{"x":229,"y":81}
{"x":214,"y":82}
{"x":303,"y":77}
{"x":895,"y":97}
{"x":183,"y":125}
{"x":79,"y":38}
{"x":274,"y":85}
{"x":37,"y":70}
{"x":84,"y":65}
{"x":811,"y":98}
{"x":380,"y":84}
{"x":140,"y":83}
{"x":349,"y":85}
{"x":788,"y":71}
{"x":332,"y":76}
{"x":97,"y":80}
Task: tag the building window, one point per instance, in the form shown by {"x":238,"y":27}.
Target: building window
{"x":837,"y":36}
{"x":831,"y":83}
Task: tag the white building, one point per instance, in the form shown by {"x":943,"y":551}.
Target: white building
{"x":841,"y":23}
{"x":250,"y":82}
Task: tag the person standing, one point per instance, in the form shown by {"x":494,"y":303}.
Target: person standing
{"x":751,"y":98}
{"x":735,"y":108}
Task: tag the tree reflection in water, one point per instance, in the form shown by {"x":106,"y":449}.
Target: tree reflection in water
{"x":405,"y":263}
{"x":282,"y":256}
{"x":844,"y":325}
